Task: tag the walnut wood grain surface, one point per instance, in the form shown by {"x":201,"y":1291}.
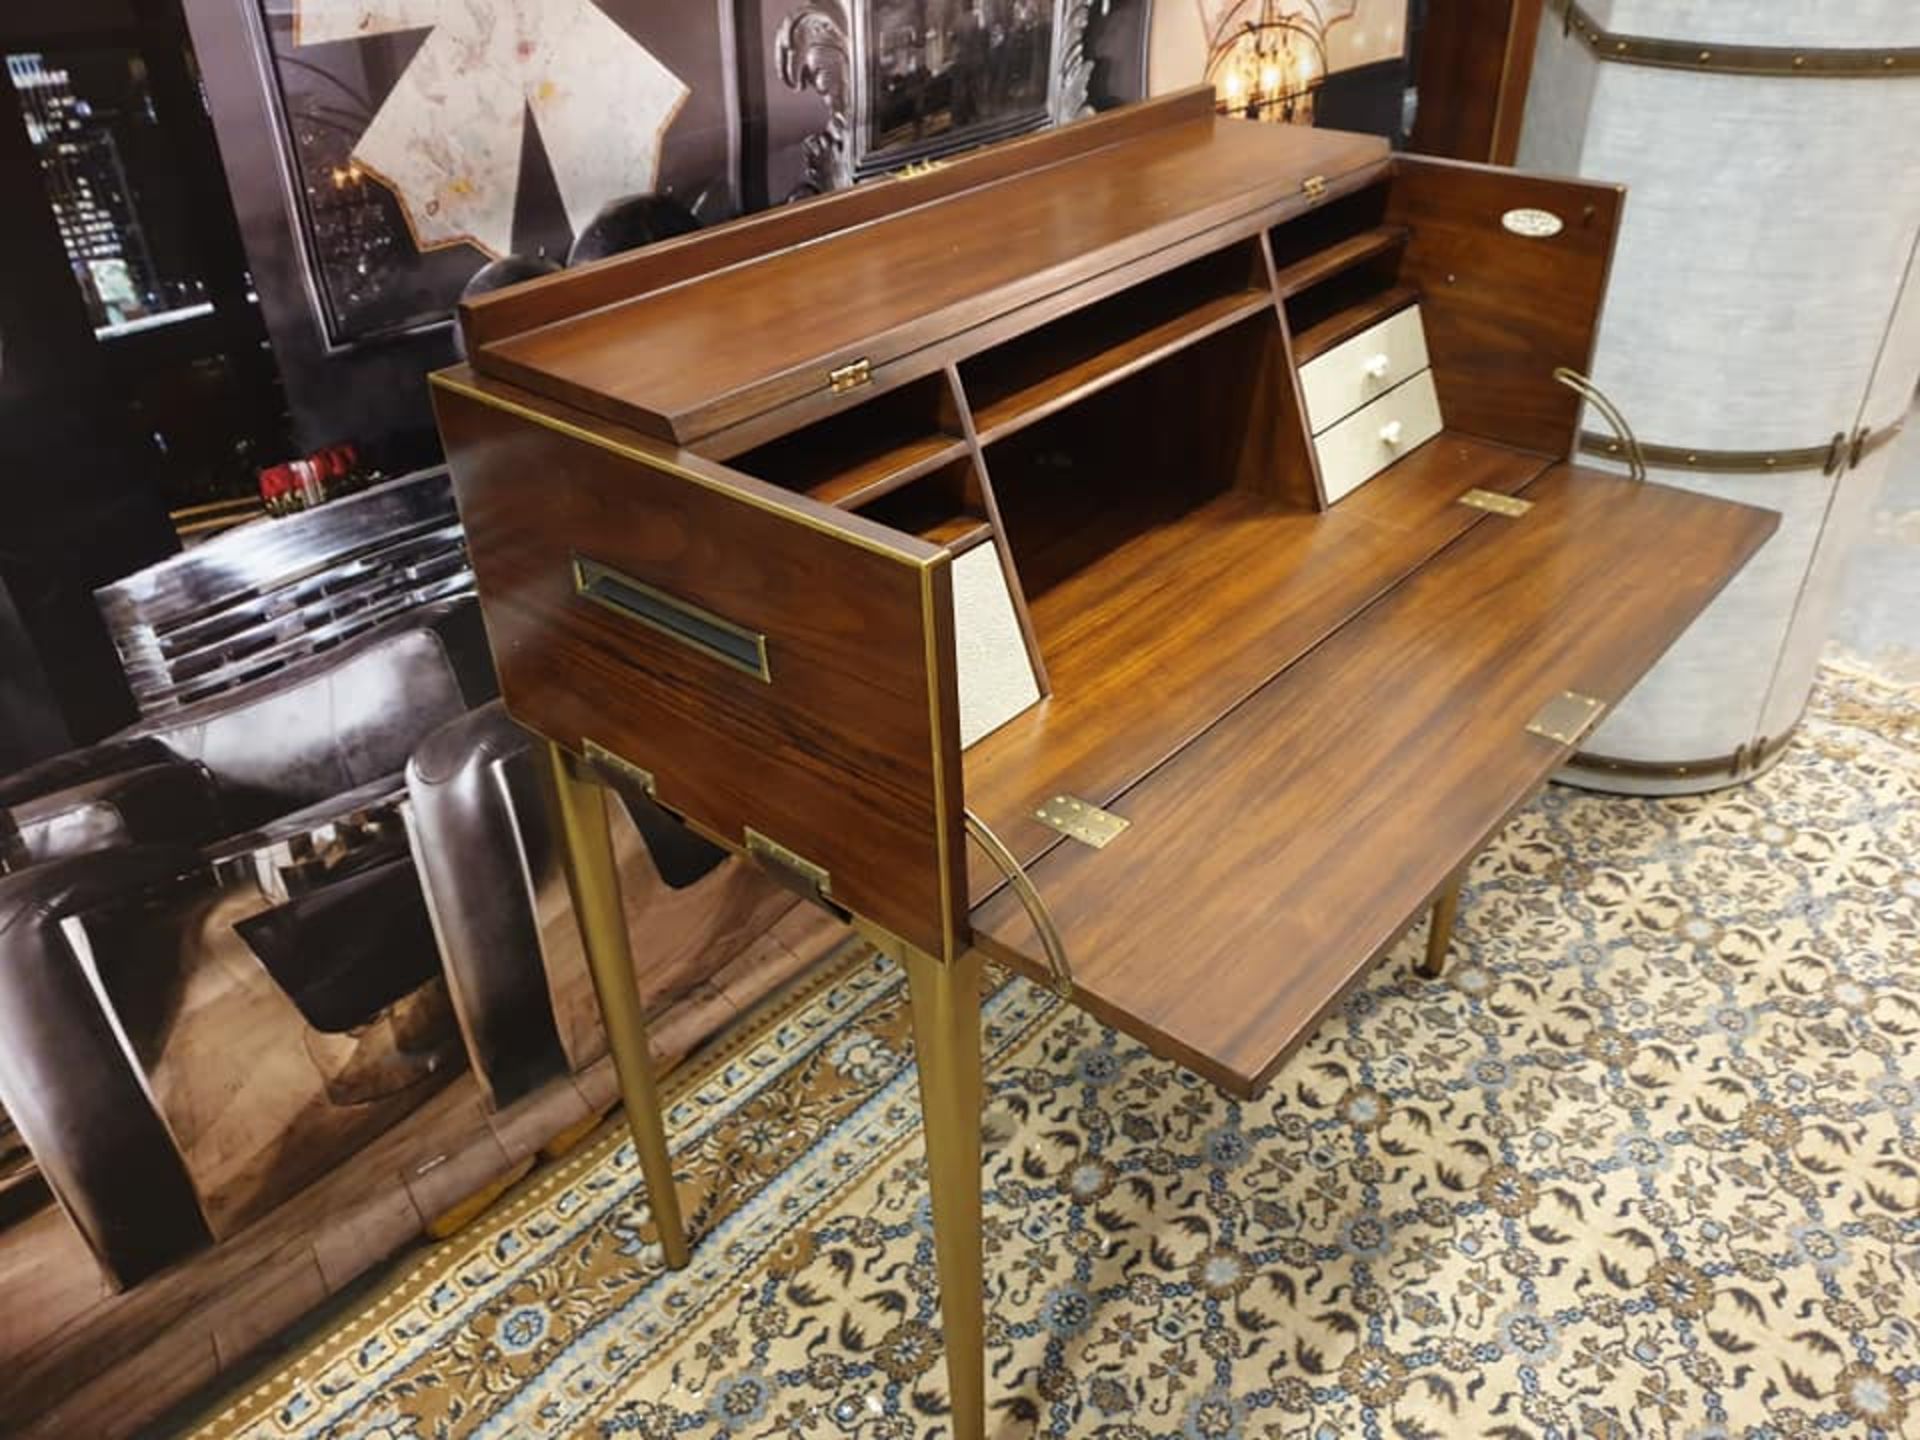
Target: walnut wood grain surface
{"x":685,"y":361}
{"x":1274,"y":856}
{"x":848,"y":755}
{"x":1151,"y":636}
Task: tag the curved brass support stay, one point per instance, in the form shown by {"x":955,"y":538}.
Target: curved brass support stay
{"x":1596,"y":397}
{"x":1059,"y":971}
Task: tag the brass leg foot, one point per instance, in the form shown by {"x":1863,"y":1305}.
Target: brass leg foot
{"x":586,"y":853}
{"x":946,"y":1037}
{"x":1440,"y":928}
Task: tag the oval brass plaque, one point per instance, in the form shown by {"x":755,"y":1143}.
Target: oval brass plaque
{"x":1534,"y":224}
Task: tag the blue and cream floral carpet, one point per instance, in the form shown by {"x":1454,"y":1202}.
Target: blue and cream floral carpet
{"x":1645,"y":1161}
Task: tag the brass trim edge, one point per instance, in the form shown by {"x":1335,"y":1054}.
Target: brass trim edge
{"x":598,"y":757}
{"x":1803,"y":61}
{"x":588,"y":572}
{"x":1839,"y":453}
{"x":1566,"y":717}
{"x":1031,"y":900}
{"x":928,"y":634}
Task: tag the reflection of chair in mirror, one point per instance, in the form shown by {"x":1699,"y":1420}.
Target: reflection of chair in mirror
{"x":249,"y":1009}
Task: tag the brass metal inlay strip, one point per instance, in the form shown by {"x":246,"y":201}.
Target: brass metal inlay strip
{"x":1840,"y":452}
{"x":1566,"y":717}
{"x":1811,"y":61}
{"x":712,"y":635}
{"x":1078,"y":820}
{"x":1511,"y":506}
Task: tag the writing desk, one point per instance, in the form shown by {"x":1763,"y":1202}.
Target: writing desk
{"x":1143,"y":554}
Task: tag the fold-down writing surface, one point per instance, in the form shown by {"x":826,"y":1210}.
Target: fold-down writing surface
{"x":1274,"y":856}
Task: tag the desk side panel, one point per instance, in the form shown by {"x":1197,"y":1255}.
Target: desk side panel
{"x":846,"y":753}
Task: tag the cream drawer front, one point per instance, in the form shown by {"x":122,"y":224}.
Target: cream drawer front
{"x":1336,"y":384}
{"x":1369,"y":440}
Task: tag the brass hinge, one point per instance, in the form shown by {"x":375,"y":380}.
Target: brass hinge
{"x":915,"y":169}
{"x":1509,"y":505}
{"x":615,"y":767}
{"x":795,"y":869}
{"x":1078,"y":820}
{"x":1315,"y":186}
{"x":1567,"y":717}
{"x":850,"y":376}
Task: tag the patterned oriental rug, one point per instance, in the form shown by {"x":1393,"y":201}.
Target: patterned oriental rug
{"x":1646,"y":1161}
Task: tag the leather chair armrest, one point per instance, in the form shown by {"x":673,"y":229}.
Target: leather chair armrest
{"x":80,"y":767}
{"x":467,"y":785}
{"x":65,"y":1077}
{"x":174,"y":802}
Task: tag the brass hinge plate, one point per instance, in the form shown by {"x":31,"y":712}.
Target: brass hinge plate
{"x":850,"y":376}
{"x":616,"y":767}
{"x":1492,"y":500}
{"x":1315,"y":186}
{"x":809,"y":877}
{"x":1075,"y":818}
{"x":1567,"y":717}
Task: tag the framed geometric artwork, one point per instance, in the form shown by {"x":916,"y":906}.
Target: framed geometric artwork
{"x":418,"y":139}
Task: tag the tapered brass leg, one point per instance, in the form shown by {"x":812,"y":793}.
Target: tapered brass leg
{"x":586,"y":854}
{"x":1440,"y":928}
{"x":946,"y":1037}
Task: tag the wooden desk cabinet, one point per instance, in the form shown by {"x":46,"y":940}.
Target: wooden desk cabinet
{"x":1143,"y":554}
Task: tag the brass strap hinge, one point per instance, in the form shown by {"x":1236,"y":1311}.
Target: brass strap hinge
{"x":1508,"y":505}
{"x":616,"y":768}
{"x":1078,"y":820}
{"x":1567,"y":717}
{"x":850,"y":376}
{"x":792,"y":868}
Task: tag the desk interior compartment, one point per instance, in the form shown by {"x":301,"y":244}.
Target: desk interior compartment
{"x":867,"y":449}
{"x":1022,"y":381}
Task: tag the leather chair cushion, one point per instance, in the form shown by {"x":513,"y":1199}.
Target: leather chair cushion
{"x":340,"y":719}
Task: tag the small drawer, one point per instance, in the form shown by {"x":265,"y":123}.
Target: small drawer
{"x":1336,"y":384}
{"x":1369,"y":440}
